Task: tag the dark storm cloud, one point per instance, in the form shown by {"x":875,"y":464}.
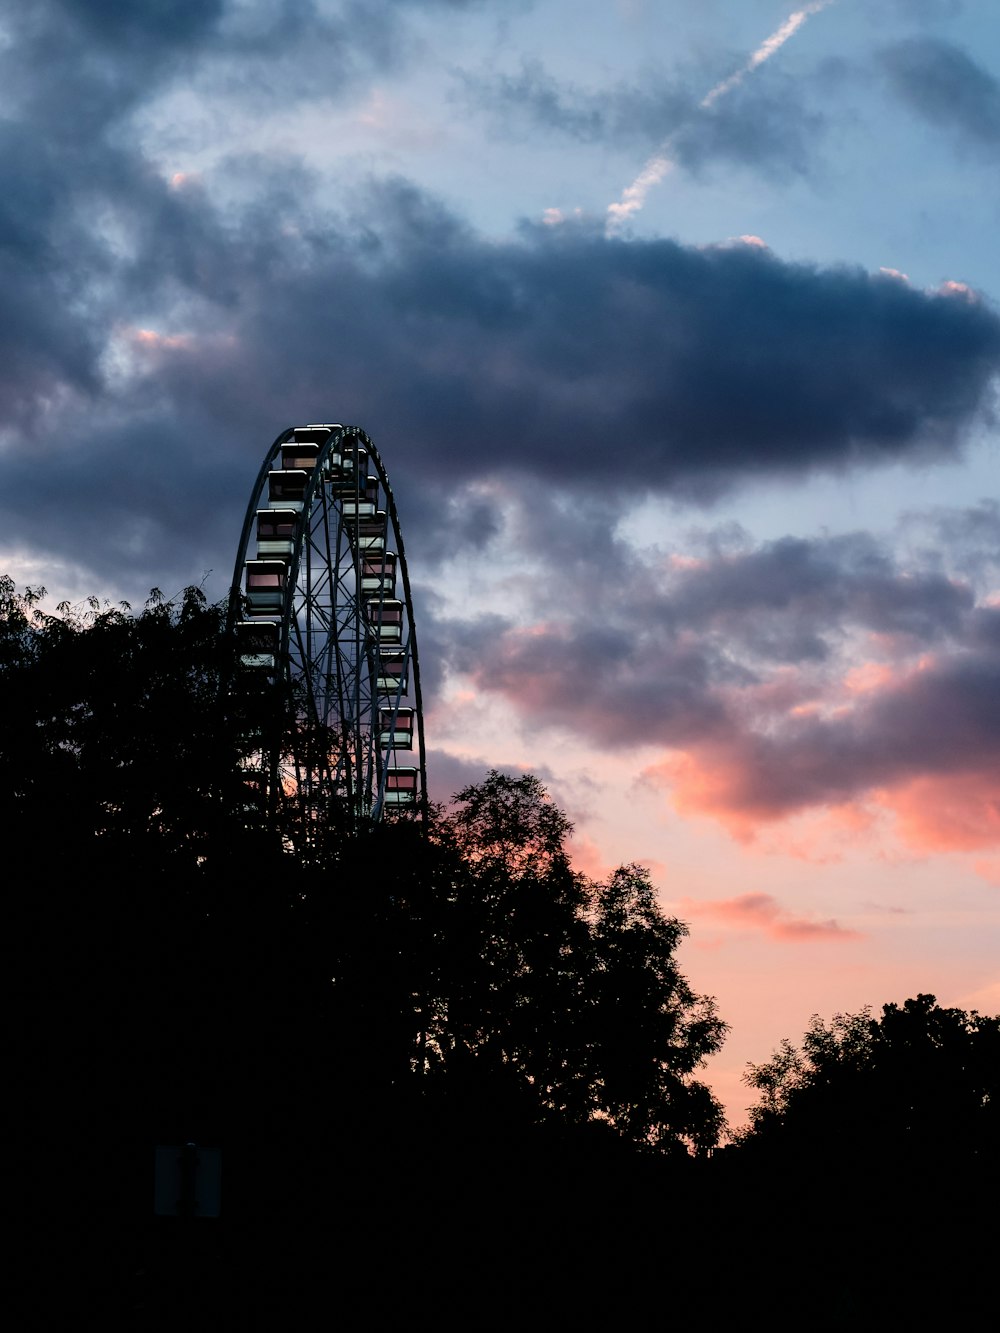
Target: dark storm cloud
{"x":547,"y":352}
{"x":986,"y":629}
{"x":947,"y":87}
{"x":155,"y":335}
{"x":144,"y":28}
{"x":89,"y":62}
{"x":452,"y":643}
{"x":606,"y":367}
{"x":452,"y":521}
{"x":544,"y":352}
{"x":72,"y":67}
{"x":41,"y":347}
{"x":763,"y":125}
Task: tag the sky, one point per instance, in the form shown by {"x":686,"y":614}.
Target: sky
{"x":677,"y":329}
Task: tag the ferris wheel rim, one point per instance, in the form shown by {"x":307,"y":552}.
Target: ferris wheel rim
{"x":361,"y":447}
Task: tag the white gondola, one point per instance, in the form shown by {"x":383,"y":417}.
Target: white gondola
{"x":297,"y":456}
{"x":276,"y":529}
{"x":391,"y":677}
{"x":368,"y":534}
{"x":386,"y":620}
{"x":396,"y":734}
{"x":316,"y":432}
{"x":364,"y":504}
{"x":287,"y":489}
{"x":265,"y":587}
{"x":378,"y":573}
{"x":401,"y":786}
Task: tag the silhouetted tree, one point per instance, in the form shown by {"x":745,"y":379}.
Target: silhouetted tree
{"x":397,"y":1001}
{"x":120,"y":724}
{"x":869,"y":1163}
{"x":416,"y":1027}
{"x":148,"y":919}
{"x":561,"y":989}
{"x":921,"y":1082}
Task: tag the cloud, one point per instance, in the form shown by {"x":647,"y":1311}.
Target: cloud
{"x":82,"y":66}
{"x":534,"y":99}
{"x":448,"y":774}
{"x":158,"y":328}
{"x":178,"y":320}
{"x":717,"y":364}
{"x":787,"y":598}
{"x":767,"y":128}
{"x":759,"y":911}
{"x":483,"y":359}
{"x":925,"y":747}
{"x":956,"y":812}
{"x":776,"y":679}
{"x":942,"y":83}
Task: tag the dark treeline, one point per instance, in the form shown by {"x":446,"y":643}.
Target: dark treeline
{"x":452,"y":1080}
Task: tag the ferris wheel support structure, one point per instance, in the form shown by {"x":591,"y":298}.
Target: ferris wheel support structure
{"x":321,"y":601}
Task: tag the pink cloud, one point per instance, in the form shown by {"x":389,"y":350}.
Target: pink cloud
{"x":587,"y":856}
{"x":801,"y":681}
{"x":957,"y":812}
{"x":760,"y":911}
{"x":920,"y":745}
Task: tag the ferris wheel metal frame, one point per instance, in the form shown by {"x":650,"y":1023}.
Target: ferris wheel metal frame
{"x":325,"y":608}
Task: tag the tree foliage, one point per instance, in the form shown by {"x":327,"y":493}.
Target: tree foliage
{"x":510,"y":989}
{"x":467,"y":966}
{"x":408,"y":1011}
{"x":870,"y":1165}
{"x":121,"y":735}
{"x":570,"y":986}
{"x":921,"y":1081}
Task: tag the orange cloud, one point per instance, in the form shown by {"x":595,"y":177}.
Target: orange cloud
{"x":869,"y":676}
{"x":587,"y":857}
{"x":710,"y":781}
{"x":821,"y":836}
{"x":759,"y":911}
{"x":957,"y":812}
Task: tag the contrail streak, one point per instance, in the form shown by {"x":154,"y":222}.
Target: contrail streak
{"x":634,"y":195}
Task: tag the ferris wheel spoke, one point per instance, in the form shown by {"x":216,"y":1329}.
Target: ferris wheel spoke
{"x":321,"y":599}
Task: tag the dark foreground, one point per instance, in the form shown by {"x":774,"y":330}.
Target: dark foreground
{"x":472,"y":1234}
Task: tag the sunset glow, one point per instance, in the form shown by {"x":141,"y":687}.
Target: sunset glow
{"x":703,"y":528}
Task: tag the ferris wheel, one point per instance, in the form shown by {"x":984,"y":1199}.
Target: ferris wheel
{"x":321,"y":603}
